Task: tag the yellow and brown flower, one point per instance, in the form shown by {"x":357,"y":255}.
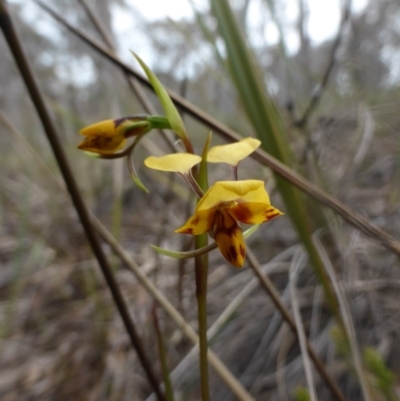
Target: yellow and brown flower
{"x":109,"y":136}
{"x":220,"y":209}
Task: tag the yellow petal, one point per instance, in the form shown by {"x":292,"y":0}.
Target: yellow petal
{"x":253,"y":212}
{"x":238,"y":191}
{"x":176,"y":162}
{"x":105,"y":129}
{"x":234,"y":152}
{"x":200,"y":223}
{"x":102,"y":145}
{"x":229,"y":238}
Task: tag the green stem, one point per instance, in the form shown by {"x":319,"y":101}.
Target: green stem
{"x":201,"y":268}
{"x":159,"y":122}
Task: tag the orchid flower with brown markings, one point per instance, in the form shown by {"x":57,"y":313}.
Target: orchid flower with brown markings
{"x":220,"y":209}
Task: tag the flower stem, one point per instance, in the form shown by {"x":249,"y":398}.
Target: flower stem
{"x":193,"y":184}
{"x":234,"y":170}
{"x":201,"y":268}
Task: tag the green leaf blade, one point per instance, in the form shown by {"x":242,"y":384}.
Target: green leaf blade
{"x":170,"y":110}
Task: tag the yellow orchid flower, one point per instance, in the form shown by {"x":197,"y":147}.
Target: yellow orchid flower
{"x":222,"y":206}
{"x":108,"y":136}
{"x":233,"y":153}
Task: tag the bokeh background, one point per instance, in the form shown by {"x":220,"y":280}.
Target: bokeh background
{"x":60,"y":335}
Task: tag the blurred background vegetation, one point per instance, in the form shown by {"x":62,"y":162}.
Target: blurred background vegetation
{"x":338,"y":101}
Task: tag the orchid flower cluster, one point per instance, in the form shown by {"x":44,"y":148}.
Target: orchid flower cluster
{"x":219,"y":209}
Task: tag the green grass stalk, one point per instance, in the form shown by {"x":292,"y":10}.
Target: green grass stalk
{"x":201,"y":271}
{"x":169,"y":392}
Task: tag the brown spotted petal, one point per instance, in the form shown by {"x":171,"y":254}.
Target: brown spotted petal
{"x":201,"y":222}
{"x":108,"y":136}
{"x":229,"y":238}
{"x":102,"y":145}
{"x":253,"y":212}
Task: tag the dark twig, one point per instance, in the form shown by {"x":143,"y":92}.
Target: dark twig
{"x":316,"y":97}
{"x":262,"y":157}
{"x":37,"y":97}
{"x":101,"y":29}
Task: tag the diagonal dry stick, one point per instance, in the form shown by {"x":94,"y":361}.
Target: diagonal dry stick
{"x":37,"y":98}
{"x":264,"y":158}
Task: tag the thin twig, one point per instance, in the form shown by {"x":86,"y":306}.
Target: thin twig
{"x":264,"y":158}
{"x":98,"y":24}
{"x":288,"y":339}
{"x":316,"y":98}
{"x":37,"y":97}
{"x":294,"y":268}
